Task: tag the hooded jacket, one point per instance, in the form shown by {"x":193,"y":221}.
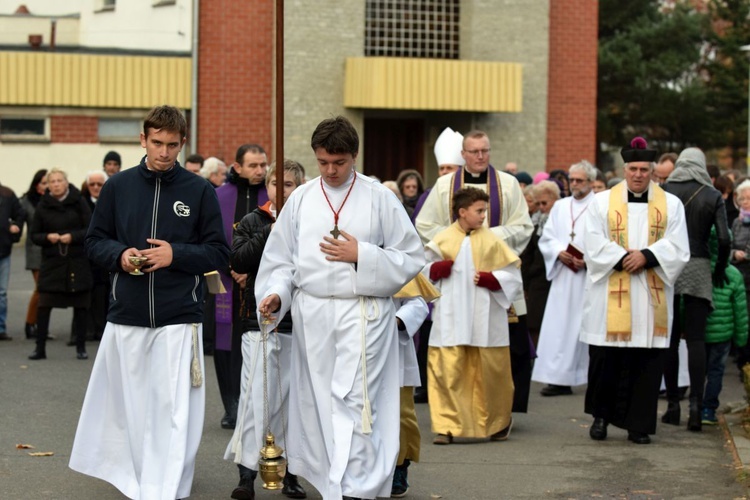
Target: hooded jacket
{"x":704,"y":206}
{"x":176,"y":206}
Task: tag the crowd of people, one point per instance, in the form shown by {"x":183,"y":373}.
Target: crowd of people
{"x":356,"y":299}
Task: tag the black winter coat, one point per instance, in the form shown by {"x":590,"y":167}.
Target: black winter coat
{"x":11,"y":212}
{"x":703,"y":211}
{"x":65,"y":268}
{"x":250,"y":236}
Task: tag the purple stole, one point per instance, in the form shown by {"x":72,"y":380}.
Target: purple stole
{"x":227,"y":195}
{"x":418,"y":206}
{"x":493,"y":190}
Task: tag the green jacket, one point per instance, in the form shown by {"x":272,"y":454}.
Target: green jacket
{"x":728,"y":321}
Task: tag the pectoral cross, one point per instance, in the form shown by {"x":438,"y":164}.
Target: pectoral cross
{"x":572,"y":235}
{"x":619,"y":294}
{"x":335,"y":232}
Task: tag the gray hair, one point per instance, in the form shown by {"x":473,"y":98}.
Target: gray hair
{"x":744,"y":186}
{"x":96,"y":172}
{"x":529,"y":191}
{"x":587,"y":169}
{"x":210,"y":166}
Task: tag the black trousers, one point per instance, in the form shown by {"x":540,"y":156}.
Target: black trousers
{"x":693,"y":328}
{"x":520,"y":363}
{"x":80,"y":319}
{"x":623,"y":386}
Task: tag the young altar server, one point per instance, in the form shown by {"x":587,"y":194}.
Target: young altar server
{"x":469,"y":374}
{"x":248,"y":244}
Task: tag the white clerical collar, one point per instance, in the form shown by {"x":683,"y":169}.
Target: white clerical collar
{"x":638,"y":195}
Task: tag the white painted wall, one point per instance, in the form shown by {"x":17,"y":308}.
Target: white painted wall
{"x":16,"y":30}
{"x":138,"y":25}
{"x":19,"y":161}
{"x":133,"y":24}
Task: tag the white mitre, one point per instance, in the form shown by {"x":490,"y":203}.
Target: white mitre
{"x":448,"y":148}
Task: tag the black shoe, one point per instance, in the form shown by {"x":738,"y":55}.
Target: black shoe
{"x":556,"y":390}
{"x":292,"y":488}
{"x":243,"y":493}
{"x":400,"y":484}
{"x":30,"y":330}
{"x":672,"y":415}
{"x":82,"y":355}
{"x":598,"y":430}
{"x":504,"y":434}
{"x":350,"y":498}
{"x":245,"y":490}
{"x":38,"y":355}
{"x":5,"y":336}
{"x":695,"y":420}
{"x":228,"y":422}
{"x":638,"y":437}
{"x":420,"y":395}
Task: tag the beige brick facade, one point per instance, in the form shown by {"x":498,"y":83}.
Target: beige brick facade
{"x":319,"y":40}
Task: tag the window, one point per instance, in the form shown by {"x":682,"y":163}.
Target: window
{"x":119,"y":129}
{"x":412,"y":28}
{"x":105,"y":5}
{"x":24,"y":129}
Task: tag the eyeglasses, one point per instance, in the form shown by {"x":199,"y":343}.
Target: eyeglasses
{"x":573,"y":180}
{"x":100,"y":184}
{"x":475,"y":152}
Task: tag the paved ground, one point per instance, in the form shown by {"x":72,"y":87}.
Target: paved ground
{"x":549,"y":454}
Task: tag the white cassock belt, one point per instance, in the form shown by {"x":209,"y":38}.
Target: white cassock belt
{"x":364,"y":318}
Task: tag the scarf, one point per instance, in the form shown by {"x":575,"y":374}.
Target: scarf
{"x":495,"y":206}
{"x":619,"y":314}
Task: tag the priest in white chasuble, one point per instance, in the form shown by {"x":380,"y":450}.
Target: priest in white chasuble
{"x":562,"y":359}
{"x":341,"y":248}
{"x":636,"y":245}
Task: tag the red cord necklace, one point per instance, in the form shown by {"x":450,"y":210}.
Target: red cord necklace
{"x":335,"y":232}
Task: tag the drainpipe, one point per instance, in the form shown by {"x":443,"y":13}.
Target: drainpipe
{"x":53,"y":34}
{"x":194,"y":81}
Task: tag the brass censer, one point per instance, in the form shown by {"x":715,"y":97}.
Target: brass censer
{"x":272,"y":464}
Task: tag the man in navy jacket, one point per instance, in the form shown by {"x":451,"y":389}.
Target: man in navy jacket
{"x":142,"y":417}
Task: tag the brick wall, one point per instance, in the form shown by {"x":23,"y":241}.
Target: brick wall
{"x":235,"y":82}
{"x":74,"y":129}
{"x":571,"y":105}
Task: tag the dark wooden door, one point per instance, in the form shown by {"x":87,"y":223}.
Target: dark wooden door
{"x":392,"y":146}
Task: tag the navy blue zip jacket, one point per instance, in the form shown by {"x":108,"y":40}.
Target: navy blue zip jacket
{"x":176,"y":206}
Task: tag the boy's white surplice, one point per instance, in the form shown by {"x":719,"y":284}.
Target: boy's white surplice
{"x":249,"y":433}
{"x":467,"y":314}
{"x":146,"y":459}
{"x":336,"y":308}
